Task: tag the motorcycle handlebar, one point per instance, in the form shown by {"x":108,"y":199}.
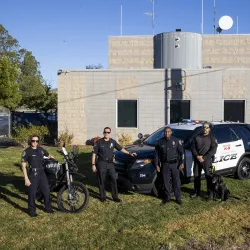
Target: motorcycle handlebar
{"x":59,"y":152}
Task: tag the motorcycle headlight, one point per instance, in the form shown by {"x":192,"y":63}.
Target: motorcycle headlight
{"x":141,"y":163}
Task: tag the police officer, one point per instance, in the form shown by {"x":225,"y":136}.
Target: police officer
{"x":36,"y":177}
{"x":103,"y":149}
{"x":203,"y":148}
{"x":169,"y":155}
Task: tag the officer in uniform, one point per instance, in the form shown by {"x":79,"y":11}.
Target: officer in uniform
{"x":36,"y":177}
{"x":103,"y":150}
{"x":203,"y":148}
{"x":169,"y":155}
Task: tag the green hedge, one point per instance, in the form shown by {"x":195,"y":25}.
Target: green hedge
{"x":21,"y":134}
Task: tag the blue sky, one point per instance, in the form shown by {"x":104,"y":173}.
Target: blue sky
{"x":74,"y":33}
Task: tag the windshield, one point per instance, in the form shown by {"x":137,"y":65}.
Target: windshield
{"x":178,"y":133}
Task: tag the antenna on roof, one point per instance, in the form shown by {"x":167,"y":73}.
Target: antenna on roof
{"x":214,"y":18}
{"x":152,"y":14}
{"x":121,"y":20}
{"x":237,"y":25}
{"x":202,"y":7}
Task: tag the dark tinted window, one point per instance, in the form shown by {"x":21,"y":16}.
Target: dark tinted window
{"x":234,"y":110}
{"x":224,"y":134}
{"x":178,"y":133}
{"x":243,"y":132}
{"x":127,"y":113}
{"x":179,"y":110}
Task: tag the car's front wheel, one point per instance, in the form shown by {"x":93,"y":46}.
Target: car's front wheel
{"x":243,"y":170}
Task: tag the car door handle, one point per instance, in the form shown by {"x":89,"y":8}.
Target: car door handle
{"x":238,"y":145}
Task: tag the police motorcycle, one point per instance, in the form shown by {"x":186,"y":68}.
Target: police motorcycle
{"x":73,"y":196}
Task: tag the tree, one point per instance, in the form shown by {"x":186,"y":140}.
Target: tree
{"x":50,"y":100}
{"x":31,"y":82}
{"x":9,"y":46}
{"x":92,"y":66}
{"x":9,"y":90}
{"x":34,"y":91}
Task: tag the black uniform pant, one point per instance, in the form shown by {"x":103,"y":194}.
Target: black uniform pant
{"x":104,"y":169}
{"x":198,"y":167}
{"x":39,"y":180}
{"x":168,"y":171}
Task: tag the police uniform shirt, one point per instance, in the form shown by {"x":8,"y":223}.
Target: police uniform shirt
{"x":204,"y":145}
{"x":34,"y":157}
{"x":169,"y":149}
{"x":104,"y":149}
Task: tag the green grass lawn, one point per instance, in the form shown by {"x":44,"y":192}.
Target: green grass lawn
{"x":141,"y":222}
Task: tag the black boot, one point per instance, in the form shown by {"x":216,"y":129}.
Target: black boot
{"x":210,"y":195}
{"x":194,"y":194}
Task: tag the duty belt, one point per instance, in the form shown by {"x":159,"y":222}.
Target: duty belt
{"x":33,"y":170}
{"x":172,"y":161}
{"x":107,"y":160}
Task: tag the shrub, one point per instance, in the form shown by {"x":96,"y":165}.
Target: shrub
{"x":21,"y":134}
{"x":64,"y":137}
{"x":124,"y":139}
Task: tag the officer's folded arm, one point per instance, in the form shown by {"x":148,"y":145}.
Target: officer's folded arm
{"x":128,"y":153}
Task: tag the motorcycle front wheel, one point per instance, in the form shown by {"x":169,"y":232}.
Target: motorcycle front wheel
{"x":75,"y":200}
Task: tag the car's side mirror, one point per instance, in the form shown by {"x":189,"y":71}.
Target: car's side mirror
{"x":140,"y":136}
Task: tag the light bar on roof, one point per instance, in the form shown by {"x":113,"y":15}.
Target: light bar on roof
{"x":189,"y":121}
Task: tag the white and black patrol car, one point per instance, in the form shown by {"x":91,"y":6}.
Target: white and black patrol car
{"x":232,"y":156}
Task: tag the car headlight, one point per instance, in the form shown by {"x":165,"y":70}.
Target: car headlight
{"x":141,"y":163}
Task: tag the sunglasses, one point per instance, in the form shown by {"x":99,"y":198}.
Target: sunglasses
{"x":205,"y":127}
{"x":35,"y":141}
{"x":106,"y":132}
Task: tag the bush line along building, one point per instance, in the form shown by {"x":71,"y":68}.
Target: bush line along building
{"x":155,"y":80}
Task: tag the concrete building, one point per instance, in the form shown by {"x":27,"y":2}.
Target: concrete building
{"x":133,"y":96}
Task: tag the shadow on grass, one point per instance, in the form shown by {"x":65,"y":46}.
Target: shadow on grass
{"x":85,"y":167}
{"x":6,"y":142}
{"x":18,"y":183}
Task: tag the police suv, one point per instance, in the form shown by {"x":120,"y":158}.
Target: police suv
{"x":232,"y":156}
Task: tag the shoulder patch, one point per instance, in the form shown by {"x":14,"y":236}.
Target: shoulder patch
{"x":180,"y":142}
{"x":24,"y":153}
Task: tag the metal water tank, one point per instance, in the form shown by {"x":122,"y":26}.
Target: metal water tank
{"x":178,"y":50}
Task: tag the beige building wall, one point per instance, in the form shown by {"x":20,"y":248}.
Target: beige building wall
{"x":131,"y":52}
{"x":226,"y":51}
{"x":87,"y":99}
{"x":218,"y":51}
{"x":71,"y":105}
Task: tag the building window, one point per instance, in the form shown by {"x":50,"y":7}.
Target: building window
{"x":234,"y":110}
{"x":127,"y":113}
{"x":179,"y":109}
